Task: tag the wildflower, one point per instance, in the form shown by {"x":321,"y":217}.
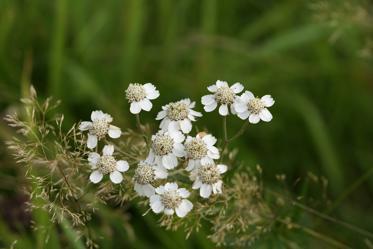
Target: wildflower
{"x":169,"y":199}
{"x":140,"y":95}
{"x":178,"y":115}
{"x":145,"y":175}
{"x":207,"y":179}
{"x":254,"y":109}
{"x":200,"y":150}
{"x":223,"y":95}
{"x":99,"y":127}
{"x":166,"y":148}
{"x":106,"y":164}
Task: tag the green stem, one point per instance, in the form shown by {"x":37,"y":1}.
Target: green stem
{"x":138,"y":121}
{"x":240,"y":132}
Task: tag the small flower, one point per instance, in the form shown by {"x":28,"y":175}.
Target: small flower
{"x":200,"y":150}
{"x":166,"y":148}
{"x":207,"y":179}
{"x":99,"y":127}
{"x":170,"y":198}
{"x":145,"y":175}
{"x":178,"y":115}
{"x":254,"y":109}
{"x":223,"y":95}
{"x":140,"y":95}
{"x":106,"y":164}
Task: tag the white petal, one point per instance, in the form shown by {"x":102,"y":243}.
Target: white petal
{"x":169,"y":161}
{"x":177,"y":136}
{"x":146,"y":105}
{"x":148,"y":190}
{"x":222,"y":168}
{"x":85,"y":125}
{"x":122,"y":166}
{"x":183,"y":192}
{"x":268,"y":100}
{"x":97,"y":115}
{"x":179,"y":150}
{"x":191,"y":165}
{"x":95,"y":176}
{"x":168,"y":211}
{"x":135,"y":108}
{"x":93,"y":158}
{"x":206,"y":160}
{"x":114,"y":132}
{"x":160,"y":190}
{"x":184,"y":208}
{"x":216,"y":187}
{"x":265,"y":115}
{"x":212,"y":88}
{"x":208,"y":99}
{"x":220,"y":83}
{"x":213,"y":155}
{"x":223,"y":110}
{"x":157,"y":206}
{"x":209,"y":140}
{"x":237,"y":87}
{"x":254,"y":118}
{"x":186,"y":125}
{"x":160,"y":172}
{"x":197,"y":184}
{"x":151,"y":91}
{"x":171,"y":186}
{"x":116,"y":177}
{"x":205,"y":191}
{"x":246,"y":96}
{"x":240,"y":106}
{"x":92,"y":141}
{"x":196,"y":114}
{"x":161,"y":115}
{"x":139,"y":189}
{"x":211,"y":107}
{"x":108,"y":150}
{"x":243,"y":115}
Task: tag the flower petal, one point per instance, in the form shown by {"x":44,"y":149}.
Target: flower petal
{"x":169,"y":161}
{"x":223,"y":110}
{"x":122,"y":166}
{"x":116,"y":177}
{"x":184,"y":208}
{"x":212,"y":88}
{"x":93,"y":158}
{"x":243,"y":115}
{"x":240,"y":106}
{"x":183,"y":192}
{"x":211,"y":107}
{"x":170,"y":186}
{"x":108,"y":150}
{"x":168,"y":211}
{"x":254,"y":118}
{"x":197,"y":184}
{"x":157,"y":206}
{"x":92,"y":141}
{"x":209,"y":140}
{"x":207,"y":99}
{"x":220,"y":83}
{"x":97,"y":115}
{"x":96,"y":176}
{"x":222,"y":168}
{"x":114,"y":132}
{"x":146,"y":105}
{"x":179,"y":150}
{"x":135,"y":108}
{"x":161,"y":115}
{"x":268,"y":100}
{"x":151,"y":91}
{"x":265,"y":115}
{"x":237,"y":87}
{"x":85,"y":125}
{"x":205,"y":191}
{"x":148,"y":190}
{"x":186,"y":125}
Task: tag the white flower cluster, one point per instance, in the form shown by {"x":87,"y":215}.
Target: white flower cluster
{"x":171,"y":146}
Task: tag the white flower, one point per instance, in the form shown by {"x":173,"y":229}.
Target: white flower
{"x":223,"y":95}
{"x":166,"y":148}
{"x":200,"y":150}
{"x":99,"y":127}
{"x":140,"y":95}
{"x":145,"y":175}
{"x":106,"y":164}
{"x":207,"y":179}
{"x":170,"y":198}
{"x":178,"y":115}
{"x":254,"y":109}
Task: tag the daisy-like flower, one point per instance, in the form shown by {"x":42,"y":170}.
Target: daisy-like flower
{"x":254,"y":109}
{"x":178,"y":115}
{"x":140,"y":95}
{"x":207,"y":178}
{"x":200,"y":150}
{"x":169,"y":199}
{"x":223,"y":95}
{"x":166,"y":148}
{"x":106,"y":164}
{"x":145,"y":175}
{"x":98,"y":128}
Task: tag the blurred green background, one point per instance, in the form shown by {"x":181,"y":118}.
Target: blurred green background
{"x":314,"y":57}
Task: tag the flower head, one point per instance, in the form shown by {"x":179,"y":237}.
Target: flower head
{"x":178,"y":115}
{"x":200,"y":150}
{"x":253,"y":108}
{"x":140,"y":95}
{"x":166,"y":148}
{"x":99,"y":127}
{"x":207,"y":178}
{"x":169,"y":199}
{"x":145,"y":175}
{"x":223,"y":95}
{"x":106,"y":164}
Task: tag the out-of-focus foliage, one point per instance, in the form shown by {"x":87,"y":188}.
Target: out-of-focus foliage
{"x":313,"y":57}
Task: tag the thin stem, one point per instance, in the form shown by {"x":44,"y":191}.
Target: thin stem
{"x":241,"y":131}
{"x":225,"y":129}
{"x":138,"y":121}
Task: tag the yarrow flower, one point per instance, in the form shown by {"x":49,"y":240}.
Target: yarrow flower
{"x":140,"y":95}
{"x":145,"y":175}
{"x":106,"y":164}
{"x":178,"y":115}
{"x":223,"y":95}
{"x":200,"y":150}
{"x":169,"y":199}
{"x":207,"y":178}
{"x":98,"y":128}
{"x":166,"y":148}
{"x":254,"y":109}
